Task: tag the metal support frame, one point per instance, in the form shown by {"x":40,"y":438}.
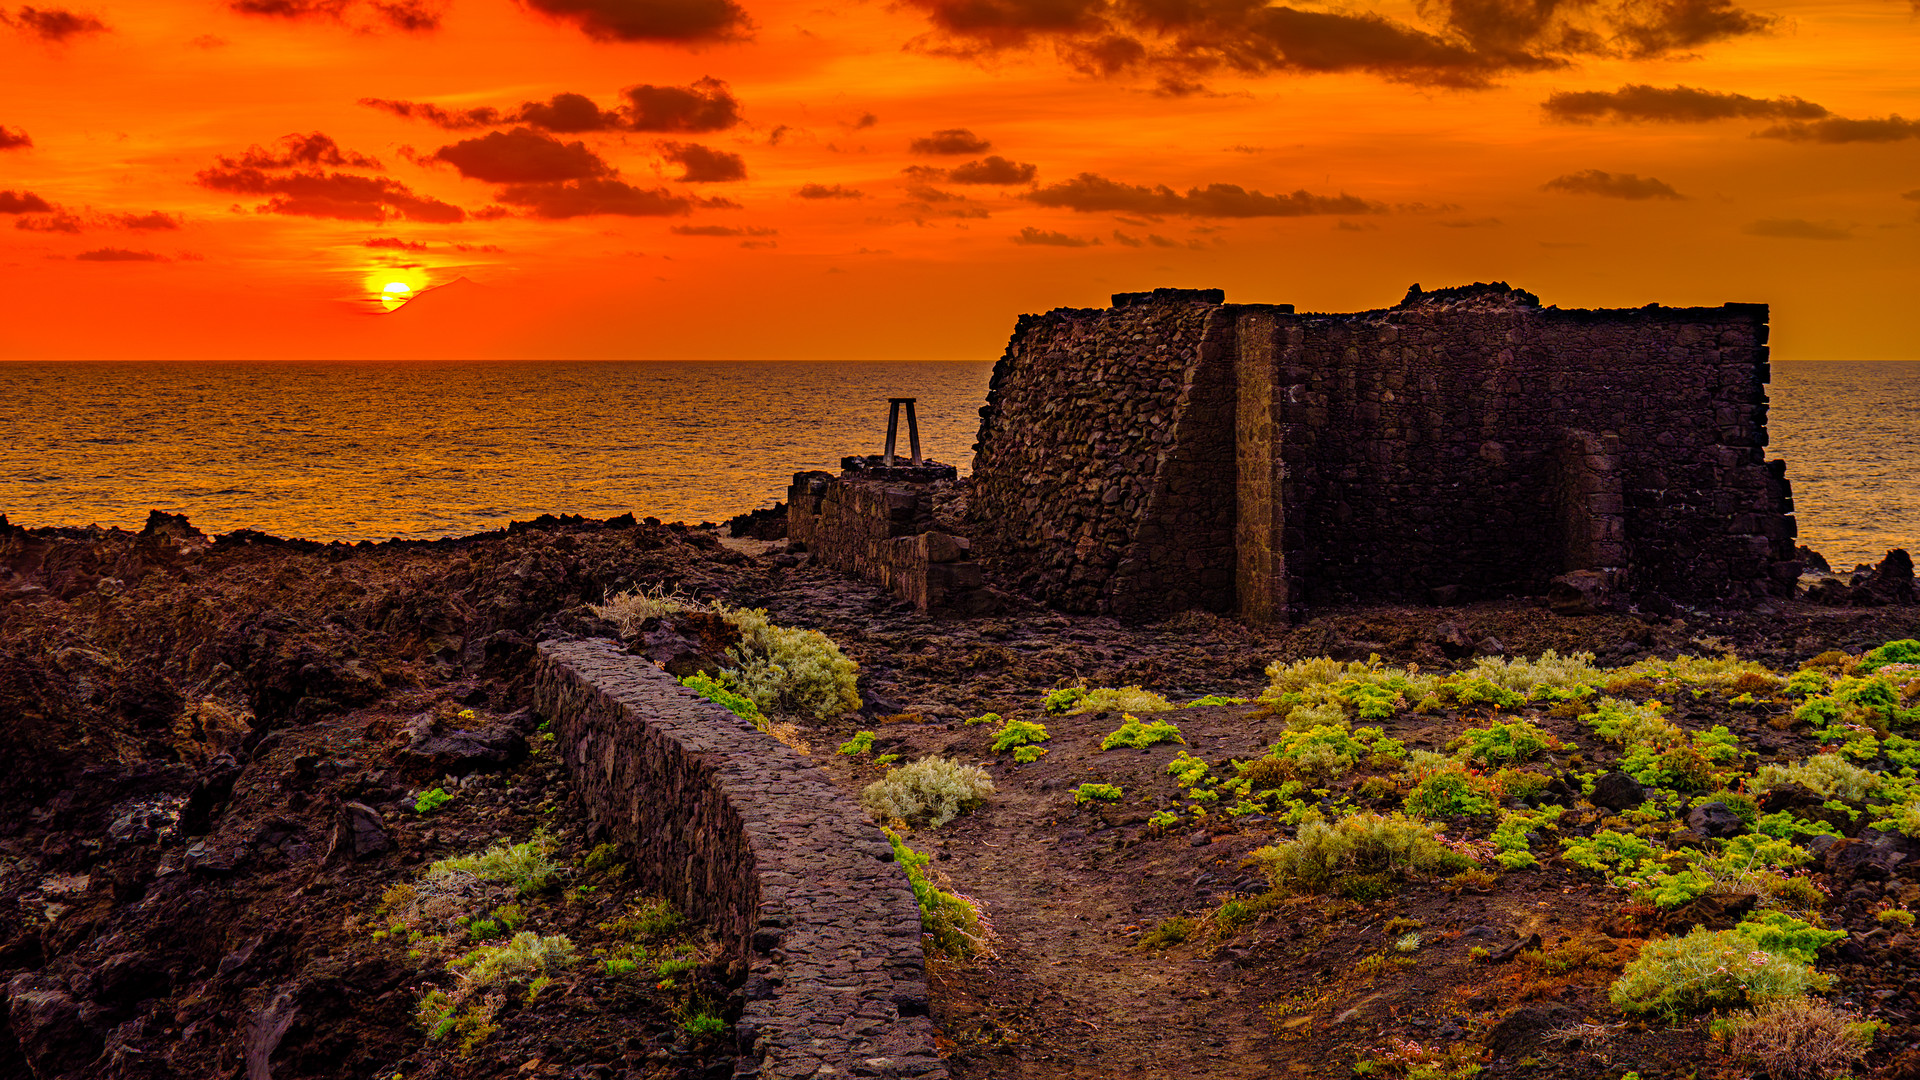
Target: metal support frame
{"x":893,"y":430}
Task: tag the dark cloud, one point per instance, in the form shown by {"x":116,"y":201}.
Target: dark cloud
{"x":651,"y":20}
{"x":1839,"y":129}
{"x":296,"y":149}
{"x":23,"y":202}
{"x":481,"y":249}
{"x":955,"y":141}
{"x":53,"y":24}
{"x":595,"y":195}
{"x":60,"y":221}
{"x":1611,"y":185}
{"x":151,"y":222}
{"x":342,"y":196}
{"x":707,"y":105}
{"x":1798,"y":229}
{"x":11,"y":139}
{"x":929,"y":194}
{"x":449,"y":119}
{"x":865,"y":121}
{"x":1043,"y":238}
{"x":394,"y":243}
{"x":1912,"y":196}
{"x":1467,"y":43}
{"x":1160,"y":241}
{"x":119,"y":255}
{"x":416,"y":16}
{"x":569,"y":114}
{"x":1089,"y":193}
{"x":702,"y":164}
{"x":824,"y":191}
{"x":1678,"y":105}
{"x":993,"y":170}
{"x":721,"y":230}
{"x":522,"y":156}
{"x":1129,"y":241}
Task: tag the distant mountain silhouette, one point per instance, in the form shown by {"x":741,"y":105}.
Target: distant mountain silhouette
{"x":461,"y":296}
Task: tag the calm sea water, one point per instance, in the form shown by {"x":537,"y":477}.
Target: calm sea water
{"x":374,"y":450}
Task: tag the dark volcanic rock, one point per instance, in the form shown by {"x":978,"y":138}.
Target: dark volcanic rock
{"x":50,"y":1025}
{"x":1617,"y":791}
{"x":357,"y":832}
{"x":457,"y":753}
{"x":1582,"y":592}
{"x":1714,"y":819}
{"x":1528,"y":1027}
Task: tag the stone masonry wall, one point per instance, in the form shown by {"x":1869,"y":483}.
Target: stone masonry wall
{"x":1103,"y":473}
{"x":743,"y":833}
{"x":1174,"y":451}
{"x":882,"y":531}
{"x":1476,"y":448}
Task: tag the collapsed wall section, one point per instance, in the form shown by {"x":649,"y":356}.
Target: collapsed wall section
{"x":1103,"y":474}
{"x":883,"y":531}
{"x":741,"y":832}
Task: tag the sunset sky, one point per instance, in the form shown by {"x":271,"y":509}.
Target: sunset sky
{"x":766,"y":179}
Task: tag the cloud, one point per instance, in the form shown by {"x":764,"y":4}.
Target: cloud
{"x":119,"y":255}
{"x":11,"y":139}
{"x":1798,"y":229}
{"x":522,"y":156}
{"x":651,"y":20}
{"x":707,"y":105}
{"x":1043,"y":238}
{"x":296,"y":149}
{"x":568,"y":114}
{"x":823,"y":191}
{"x":23,"y":202}
{"x":1611,"y":185}
{"x":595,"y":195}
{"x":704,"y":165}
{"x":954,"y":141}
{"x":1470,"y":223}
{"x":415,"y":16}
{"x":394,"y":243}
{"x":1639,"y":102}
{"x":341,"y":196}
{"x":481,"y":249}
{"x":1467,"y":43}
{"x":448,"y":119}
{"x":152,"y":222}
{"x":1129,"y":241}
{"x":865,"y":120}
{"x":53,"y":24}
{"x":721,"y":230}
{"x":1839,"y":129}
{"x":1088,"y":193}
{"x":994,"y":170}
{"x":1912,"y":196}
{"x":60,"y":221}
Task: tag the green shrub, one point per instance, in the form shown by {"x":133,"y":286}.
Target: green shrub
{"x":1388,"y":848}
{"x":704,"y":1025}
{"x":1027,"y":755}
{"x":1059,"y":701}
{"x":1321,"y":752}
{"x":526,"y":866}
{"x":1628,"y":724}
{"x":1826,"y":773}
{"x":930,"y":792}
{"x":1608,"y":851}
{"x":1132,"y":733}
{"x":1808,"y":682}
{"x":1171,"y":931}
{"x":740,"y":706}
{"x":431,"y":800}
{"x":800,"y":671}
{"x":861,"y":743}
{"x":526,"y":955}
{"x":1092,"y":792}
{"x":983,"y":718}
{"x":1019,"y":733}
{"x":1757,"y":962}
{"x":1120,"y":699}
{"x":1214,"y":699}
{"x":1904,"y":651}
{"x":1573,"y":675}
{"x":1504,"y":742}
{"x":951,"y":925}
{"x":1449,"y":793}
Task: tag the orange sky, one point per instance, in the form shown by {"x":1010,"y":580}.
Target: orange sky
{"x":203,"y":178}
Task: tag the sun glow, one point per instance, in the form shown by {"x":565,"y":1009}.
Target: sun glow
{"x":394,"y":293}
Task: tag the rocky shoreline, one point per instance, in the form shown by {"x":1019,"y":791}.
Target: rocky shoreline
{"x":219,"y":745}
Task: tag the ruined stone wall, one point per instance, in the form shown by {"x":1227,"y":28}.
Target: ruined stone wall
{"x":883,"y":531}
{"x":1476,"y":449}
{"x":1174,"y":451}
{"x":740,"y":831}
{"x":1103,"y":475}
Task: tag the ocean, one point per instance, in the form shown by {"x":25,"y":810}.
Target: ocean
{"x":350,"y":451}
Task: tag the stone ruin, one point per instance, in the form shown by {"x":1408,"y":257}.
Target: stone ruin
{"x":1175,"y":451}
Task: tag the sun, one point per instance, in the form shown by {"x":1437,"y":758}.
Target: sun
{"x":395,"y":293}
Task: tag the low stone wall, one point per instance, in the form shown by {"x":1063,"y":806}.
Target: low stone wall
{"x":882,"y":531}
{"x":745,"y":834}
